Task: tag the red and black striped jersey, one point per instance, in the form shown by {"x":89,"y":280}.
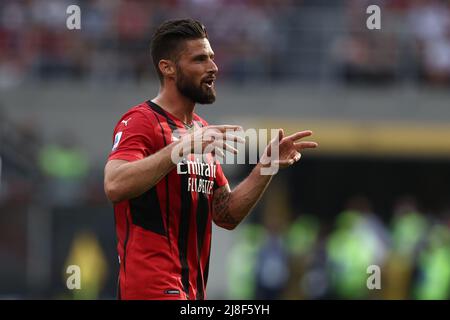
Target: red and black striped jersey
{"x":164,"y":235}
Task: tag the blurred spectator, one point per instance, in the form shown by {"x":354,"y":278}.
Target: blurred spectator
{"x":434,"y":266}
{"x":408,"y":230}
{"x":430,"y":22}
{"x":307,"y":276}
{"x":87,"y":254}
{"x":65,"y":165}
{"x":366,"y":59}
{"x":356,"y":243}
{"x":366,"y":56}
{"x":272,"y":268}
{"x":272,"y":265}
{"x":242,"y":261}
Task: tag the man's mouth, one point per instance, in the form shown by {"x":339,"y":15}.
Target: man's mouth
{"x":209,"y":82}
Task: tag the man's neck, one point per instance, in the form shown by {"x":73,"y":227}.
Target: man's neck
{"x":176,"y":104}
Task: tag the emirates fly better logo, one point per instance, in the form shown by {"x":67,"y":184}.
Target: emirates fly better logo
{"x":202,"y":169}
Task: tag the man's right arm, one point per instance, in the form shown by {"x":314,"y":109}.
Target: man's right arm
{"x":126,"y":180}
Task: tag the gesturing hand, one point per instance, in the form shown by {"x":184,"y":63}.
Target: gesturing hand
{"x":206,"y":140}
{"x":288,"y":150}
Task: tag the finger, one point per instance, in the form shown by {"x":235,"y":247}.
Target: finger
{"x":299,"y":135}
{"x":212,"y":133}
{"x":280,"y":134}
{"x":219,"y":152}
{"x":276,"y":140}
{"x":230,"y":148}
{"x":221,"y":144}
{"x":305,"y":145}
{"x":209,"y":133}
{"x":284,"y":163}
{"x":212,"y":136}
{"x":297,"y":156}
{"x":226,"y":127}
{"x":274,"y":143}
{"x":233,"y":138}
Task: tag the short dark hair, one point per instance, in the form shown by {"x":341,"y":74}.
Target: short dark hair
{"x":169,"y":37}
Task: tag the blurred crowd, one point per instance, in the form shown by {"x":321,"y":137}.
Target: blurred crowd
{"x":52,"y":171}
{"x":253,"y":40}
{"x":353,"y":256}
{"x":53,"y":213}
{"x":412,"y":45}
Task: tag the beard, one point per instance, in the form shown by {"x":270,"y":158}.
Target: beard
{"x":197,"y":93}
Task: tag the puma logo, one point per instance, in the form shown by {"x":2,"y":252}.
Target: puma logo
{"x":126,"y":122}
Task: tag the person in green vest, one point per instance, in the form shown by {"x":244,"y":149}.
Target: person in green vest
{"x":434,"y":266}
{"x":408,"y":230}
{"x":65,"y":165}
{"x":359,"y":241}
{"x":242,"y":261}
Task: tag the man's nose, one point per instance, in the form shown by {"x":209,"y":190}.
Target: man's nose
{"x":213,"y":67}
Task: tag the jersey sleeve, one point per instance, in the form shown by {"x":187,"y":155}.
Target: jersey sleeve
{"x":220,"y":180}
{"x":132,"y":138}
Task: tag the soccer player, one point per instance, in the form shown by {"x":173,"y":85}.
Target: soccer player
{"x":164,"y":210}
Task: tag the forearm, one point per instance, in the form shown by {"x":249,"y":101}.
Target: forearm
{"x":131,"y":179}
{"x":231,"y":208}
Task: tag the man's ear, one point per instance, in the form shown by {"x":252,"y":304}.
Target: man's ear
{"x":167,"y":68}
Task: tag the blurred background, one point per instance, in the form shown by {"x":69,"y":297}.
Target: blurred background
{"x":376,"y":192}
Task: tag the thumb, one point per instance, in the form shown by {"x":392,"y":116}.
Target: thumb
{"x":280,"y":134}
{"x":276,"y":138}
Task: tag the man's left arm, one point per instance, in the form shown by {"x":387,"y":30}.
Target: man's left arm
{"x":231,"y":207}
